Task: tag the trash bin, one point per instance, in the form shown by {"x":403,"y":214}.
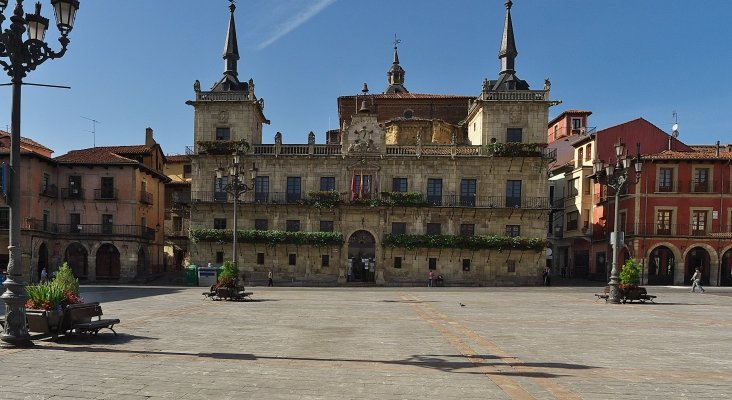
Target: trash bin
{"x":192,"y":275}
{"x":207,"y":276}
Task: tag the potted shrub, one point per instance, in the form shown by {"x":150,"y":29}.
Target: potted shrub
{"x":226,"y":286}
{"x":629,"y":281}
{"x":47,"y":300}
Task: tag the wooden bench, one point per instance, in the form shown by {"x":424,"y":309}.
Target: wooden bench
{"x":87,"y":317}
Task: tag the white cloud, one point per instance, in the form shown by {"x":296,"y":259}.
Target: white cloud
{"x":301,"y":16}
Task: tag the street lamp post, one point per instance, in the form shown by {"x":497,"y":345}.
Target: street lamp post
{"x":24,"y":55}
{"x":236,"y":187}
{"x":615,"y":176}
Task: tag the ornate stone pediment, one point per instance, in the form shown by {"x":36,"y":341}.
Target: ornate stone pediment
{"x":365,"y":135}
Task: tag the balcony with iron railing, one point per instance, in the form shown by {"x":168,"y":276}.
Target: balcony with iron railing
{"x":146,"y":197}
{"x":678,"y":230}
{"x":72,"y":193}
{"x":105,"y":194}
{"x":692,"y":186}
{"x":49,"y":190}
{"x":138,"y":231}
{"x":377,"y":199}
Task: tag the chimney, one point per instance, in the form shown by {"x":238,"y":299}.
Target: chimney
{"x":149,"y":141}
{"x":717,"y":148}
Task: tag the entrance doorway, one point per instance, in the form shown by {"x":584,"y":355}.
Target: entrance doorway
{"x":726,"y":278}
{"x":361,"y":257}
{"x":697,"y":258}
{"x":661,"y":266}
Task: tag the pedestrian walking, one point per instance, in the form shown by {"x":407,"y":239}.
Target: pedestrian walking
{"x":44,"y":275}
{"x":269,"y":276}
{"x":430,"y":276}
{"x":546,"y":276}
{"x":696,"y":281}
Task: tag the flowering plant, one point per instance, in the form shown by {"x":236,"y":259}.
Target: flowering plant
{"x":60,"y":292}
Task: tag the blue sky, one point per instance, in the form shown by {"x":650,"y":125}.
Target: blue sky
{"x":132,"y":64}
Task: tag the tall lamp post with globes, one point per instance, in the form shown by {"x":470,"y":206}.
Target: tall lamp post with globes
{"x":236,"y":186}
{"x":18,"y":56}
{"x":615,"y":176}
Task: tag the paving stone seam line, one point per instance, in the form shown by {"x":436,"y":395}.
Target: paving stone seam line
{"x":506,"y":384}
{"x":514,"y":362}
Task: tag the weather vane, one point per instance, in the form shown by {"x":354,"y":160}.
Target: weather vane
{"x":396,"y":40}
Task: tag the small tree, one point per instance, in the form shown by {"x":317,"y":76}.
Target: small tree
{"x":630,"y":274}
{"x":229,"y":275}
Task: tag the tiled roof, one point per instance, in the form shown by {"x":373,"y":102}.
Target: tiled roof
{"x":177,"y":158}
{"x":26,"y":141}
{"x":96,"y":155}
{"x":690,"y":155}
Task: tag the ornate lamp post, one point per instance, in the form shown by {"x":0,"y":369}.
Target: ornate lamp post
{"x":236,"y":187}
{"x":615,"y":176}
{"x":24,"y":55}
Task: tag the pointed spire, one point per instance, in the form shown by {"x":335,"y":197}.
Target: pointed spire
{"x":508,"y":51}
{"x":231,"y":49}
{"x":396,"y":73}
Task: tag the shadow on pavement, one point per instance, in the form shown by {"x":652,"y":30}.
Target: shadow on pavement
{"x":106,"y":294}
{"x":454,"y":363}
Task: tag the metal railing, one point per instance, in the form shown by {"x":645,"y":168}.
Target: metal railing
{"x":377,"y":199}
{"x":105,"y":194}
{"x":72,"y":193}
{"x":107,"y":229}
{"x":49,"y":190}
{"x":146,"y":197}
{"x":676,"y":230}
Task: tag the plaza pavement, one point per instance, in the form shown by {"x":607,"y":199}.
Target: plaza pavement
{"x":387,"y":343}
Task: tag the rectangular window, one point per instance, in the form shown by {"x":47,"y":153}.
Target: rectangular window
{"x":664,"y":222}
{"x":397,"y":262}
{"x":75,"y":223}
{"x":467,"y":192}
{"x":580,"y":155}
{"x":573,"y":187}
{"x":75,"y":187}
{"x":223,"y":134}
{"x":260,"y":258}
{"x":177,"y":224}
{"x":572,"y":220}
{"x":467,"y":229}
{"x":327,"y":183}
{"x":261,"y":189}
{"x":186,"y":171}
{"x":219,"y":223}
{"x":292,"y":259}
{"x":588,"y":152}
{"x":46,"y":182}
{"x":434,"y":228}
{"x":511,"y":266}
{"x":46,"y":219}
{"x":513,"y":193}
{"x":433,"y":263}
{"x":399,"y":185}
{"x":261,"y":224}
{"x":699,"y":222}
{"x":219,"y":257}
{"x":324,"y":260}
{"x":466,"y":264}
{"x":399,"y":228}
{"x":576,"y":124}
{"x":107,"y":224}
{"x":666,"y":180}
{"x":513,"y":230}
{"x":293,"y":225}
{"x":434,"y":191}
{"x":107,"y":188}
{"x":4,"y":218}
{"x":220,"y":188}
{"x":326,"y":226}
{"x":294,"y":189}
{"x":701,"y":180}
{"x":514,"y":135}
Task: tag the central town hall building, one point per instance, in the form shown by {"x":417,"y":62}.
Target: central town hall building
{"x":410,"y":183}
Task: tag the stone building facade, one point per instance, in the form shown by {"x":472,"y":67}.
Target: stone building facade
{"x":403,"y":191}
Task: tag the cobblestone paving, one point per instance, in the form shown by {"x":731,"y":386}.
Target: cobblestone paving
{"x":387,"y":343}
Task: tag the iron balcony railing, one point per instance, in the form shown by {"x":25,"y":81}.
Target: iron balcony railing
{"x":72,"y":193}
{"x":676,"y":230}
{"x":146,"y":197}
{"x":106,"y":229}
{"x":377,"y":199}
{"x":105,"y":194}
{"x":49,"y":190}
{"x":40,"y":225}
{"x":692,"y":186}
